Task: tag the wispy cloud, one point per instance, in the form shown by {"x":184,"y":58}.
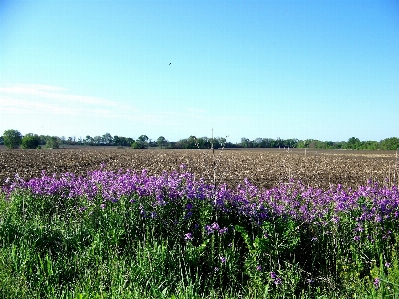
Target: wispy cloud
{"x":38,"y":99}
{"x":33,"y":104}
{"x":57,"y":94}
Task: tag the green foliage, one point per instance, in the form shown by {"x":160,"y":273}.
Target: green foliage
{"x":161,"y":141}
{"x":390,"y":143}
{"x":30,"y":141}
{"x":12,"y":138}
{"x":52,"y":142}
{"x":51,"y":249}
{"x":140,"y":143}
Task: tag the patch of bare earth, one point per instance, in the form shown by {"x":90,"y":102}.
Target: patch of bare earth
{"x":264,"y":168}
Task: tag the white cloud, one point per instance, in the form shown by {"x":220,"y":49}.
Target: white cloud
{"x":57,"y":111}
{"x":38,"y":99}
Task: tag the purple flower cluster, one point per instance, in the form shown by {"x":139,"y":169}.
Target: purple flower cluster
{"x":370,"y":203}
{"x":275,"y":278}
{"x":214,"y":227}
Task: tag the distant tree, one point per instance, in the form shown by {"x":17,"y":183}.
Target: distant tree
{"x":191,"y":142}
{"x":53,"y":142}
{"x":43,"y":139}
{"x":30,"y":141}
{"x":390,"y":143}
{"x":97,"y":140}
{"x":245,"y":142}
{"x":141,"y":142}
{"x":369,"y":145}
{"x":89,"y":140}
{"x":204,"y":142}
{"x":125,"y":141}
{"x":161,"y":141}
{"x":353,"y":143}
{"x":129,"y":141}
{"x":138,"y":145}
{"x":143,"y":138}
{"x":108,"y":139}
{"x":117,"y":141}
{"x":12,"y":138}
{"x":258,"y":142}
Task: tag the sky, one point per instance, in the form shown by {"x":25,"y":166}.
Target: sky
{"x":326,"y":70}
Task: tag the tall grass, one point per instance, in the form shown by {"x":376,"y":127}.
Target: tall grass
{"x":130,"y":235}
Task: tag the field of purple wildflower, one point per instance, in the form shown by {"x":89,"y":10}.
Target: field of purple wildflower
{"x":126,"y":233}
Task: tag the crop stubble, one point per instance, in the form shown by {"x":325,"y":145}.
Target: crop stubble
{"x":263,"y":168}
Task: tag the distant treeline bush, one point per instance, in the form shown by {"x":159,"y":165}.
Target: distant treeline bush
{"x":14,"y":139}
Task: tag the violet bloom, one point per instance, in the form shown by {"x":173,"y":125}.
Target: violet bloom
{"x":259,"y":268}
{"x":102,"y":206}
{"x":223,"y":259}
{"x":377,"y":283}
{"x":215,"y":226}
{"x":223,"y":230}
{"x":208,"y":229}
{"x":276,"y":279}
{"x":188,"y":237}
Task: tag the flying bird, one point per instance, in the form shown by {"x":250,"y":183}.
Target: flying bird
{"x":170,"y":63}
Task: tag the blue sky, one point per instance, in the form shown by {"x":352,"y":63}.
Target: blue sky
{"x":326,"y":70}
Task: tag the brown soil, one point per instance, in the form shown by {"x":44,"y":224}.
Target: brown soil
{"x":263,"y":167}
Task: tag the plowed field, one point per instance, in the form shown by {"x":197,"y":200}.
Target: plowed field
{"x":264,"y":168}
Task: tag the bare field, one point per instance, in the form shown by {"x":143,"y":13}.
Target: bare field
{"x":263,"y":167}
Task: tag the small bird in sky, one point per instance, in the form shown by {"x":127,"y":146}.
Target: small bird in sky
{"x":170,"y":63}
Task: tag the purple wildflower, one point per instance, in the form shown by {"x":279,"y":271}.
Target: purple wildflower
{"x":215,"y":226}
{"x":376,"y":283}
{"x":223,"y":230}
{"x":223,"y":259}
{"x":188,"y":237}
{"x":276,"y":279}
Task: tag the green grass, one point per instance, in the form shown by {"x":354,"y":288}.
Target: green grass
{"x":51,"y":249}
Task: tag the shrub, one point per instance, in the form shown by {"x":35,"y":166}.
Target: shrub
{"x":12,"y":138}
{"x":52,"y":142}
{"x":30,"y":141}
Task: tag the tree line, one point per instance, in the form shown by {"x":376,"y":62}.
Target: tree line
{"x":14,"y":139}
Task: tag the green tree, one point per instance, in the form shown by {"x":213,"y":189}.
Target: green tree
{"x":141,"y":142}
{"x":143,"y":138}
{"x":108,"y":139}
{"x":353,"y":143}
{"x":390,"y":143}
{"x":161,"y":141}
{"x":245,"y":142}
{"x":53,"y":142}
{"x":30,"y":141}
{"x":12,"y":138}
{"x":138,"y":145}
